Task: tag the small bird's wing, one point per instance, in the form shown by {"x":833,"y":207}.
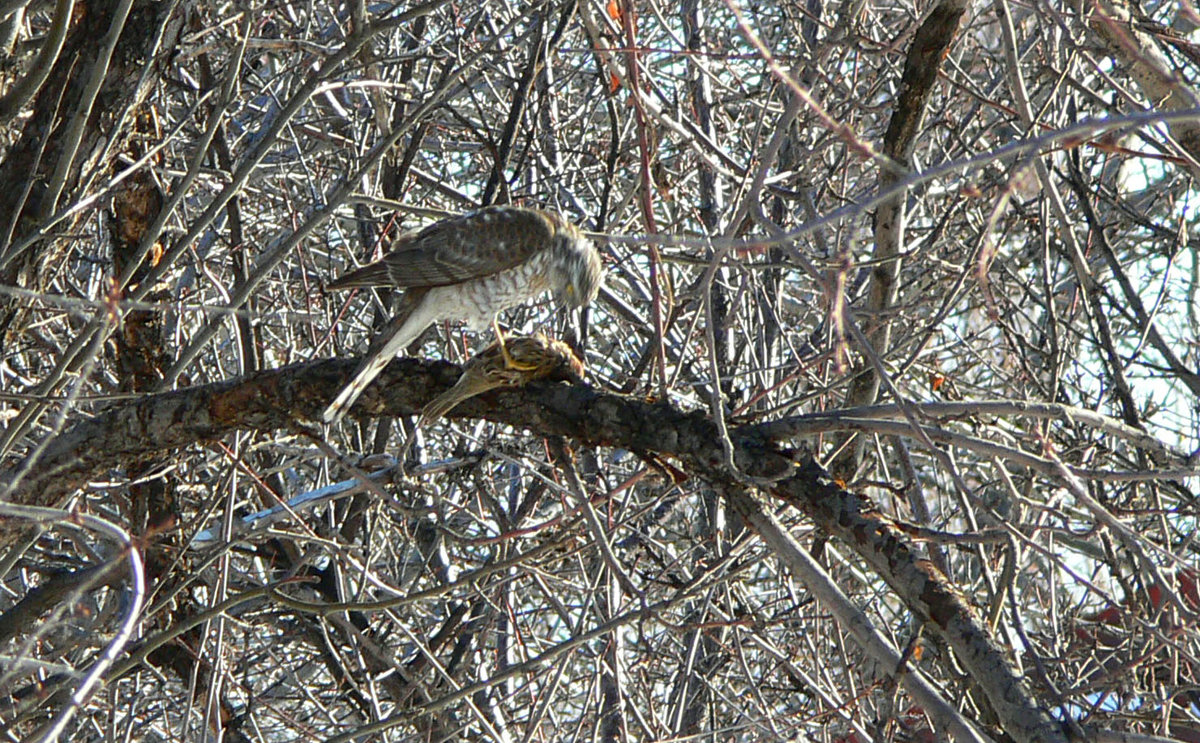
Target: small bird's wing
{"x":458,"y":249}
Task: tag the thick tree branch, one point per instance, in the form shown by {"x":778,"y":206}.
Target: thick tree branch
{"x":292,"y":396}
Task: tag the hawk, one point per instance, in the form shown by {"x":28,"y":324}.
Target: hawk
{"x":471,"y":268}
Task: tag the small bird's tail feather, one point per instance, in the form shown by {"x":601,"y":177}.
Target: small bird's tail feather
{"x":468,"y":386}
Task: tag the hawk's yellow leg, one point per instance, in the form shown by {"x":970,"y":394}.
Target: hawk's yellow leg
{"x":509,"y":361}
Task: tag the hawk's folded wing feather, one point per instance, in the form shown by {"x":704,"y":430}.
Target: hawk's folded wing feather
{"x":452,"y":251}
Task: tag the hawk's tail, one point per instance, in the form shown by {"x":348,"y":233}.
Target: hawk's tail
{"x":410,"y":321}
{"x":372,"y":274}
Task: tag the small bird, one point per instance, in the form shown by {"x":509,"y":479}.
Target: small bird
{"x":527,"y":359}
{"x":471,"y":268}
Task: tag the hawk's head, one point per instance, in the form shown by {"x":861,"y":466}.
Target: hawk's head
{"x":578,"y":266}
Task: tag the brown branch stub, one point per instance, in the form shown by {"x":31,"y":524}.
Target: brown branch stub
{"x":929,"y":47}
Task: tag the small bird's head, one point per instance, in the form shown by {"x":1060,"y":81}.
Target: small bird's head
{"x":578,"y":266}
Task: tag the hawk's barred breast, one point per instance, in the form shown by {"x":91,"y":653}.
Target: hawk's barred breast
{"x":476,"y":302}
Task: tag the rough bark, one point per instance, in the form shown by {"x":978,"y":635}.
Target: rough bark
{"x":287,"y":397}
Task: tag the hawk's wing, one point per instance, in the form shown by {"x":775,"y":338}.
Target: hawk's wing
{"x":458,"y":249}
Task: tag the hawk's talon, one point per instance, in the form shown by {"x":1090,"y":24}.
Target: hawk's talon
{"x":509,"y":361}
